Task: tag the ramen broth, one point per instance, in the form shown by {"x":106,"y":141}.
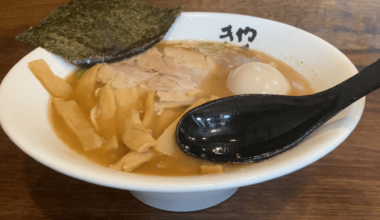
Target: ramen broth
{"x":214,"y":84}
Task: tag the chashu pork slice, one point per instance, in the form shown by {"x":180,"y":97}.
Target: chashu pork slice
{"x":184,"y":72}
{"x":171,"y":72}
{"x":171,"y":83}
{"x":152,"y":61}
{"x":175,"y":69}
{"x":189,"y":62}
{"x":123,"y":77}
{"x":132,"y":72}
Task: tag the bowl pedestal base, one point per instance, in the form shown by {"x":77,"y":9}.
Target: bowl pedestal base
{"x":184,"y":202}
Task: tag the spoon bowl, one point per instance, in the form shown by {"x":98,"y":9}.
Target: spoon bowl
{"x":255,"y":127}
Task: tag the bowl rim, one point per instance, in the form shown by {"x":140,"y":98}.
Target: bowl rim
{"x":139,"y":182}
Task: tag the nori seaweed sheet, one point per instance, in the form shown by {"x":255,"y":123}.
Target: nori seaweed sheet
{"x":87,"y":32}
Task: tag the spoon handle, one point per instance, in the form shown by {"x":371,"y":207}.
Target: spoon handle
{"x":357,"y":86}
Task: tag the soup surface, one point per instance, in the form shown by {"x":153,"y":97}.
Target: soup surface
{"x":113,"y":149}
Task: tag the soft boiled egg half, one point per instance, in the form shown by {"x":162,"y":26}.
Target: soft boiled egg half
{"x":257,"y":78}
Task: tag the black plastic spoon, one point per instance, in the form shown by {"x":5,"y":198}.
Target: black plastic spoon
{"x":256,"y":127}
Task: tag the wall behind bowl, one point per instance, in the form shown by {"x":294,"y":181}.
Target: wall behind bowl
{"x":350,"y":25}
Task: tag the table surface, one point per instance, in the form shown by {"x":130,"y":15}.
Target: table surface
{"x":345,"y":184}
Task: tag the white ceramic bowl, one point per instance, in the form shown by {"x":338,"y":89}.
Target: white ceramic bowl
{"x":23,"y":115}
